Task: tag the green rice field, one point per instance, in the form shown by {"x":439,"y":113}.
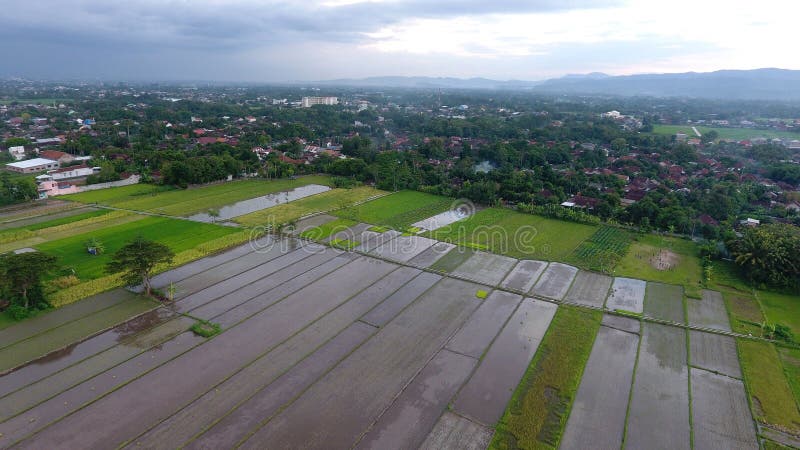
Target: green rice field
{"x":401,"y":209}
{"x":725,"y":133}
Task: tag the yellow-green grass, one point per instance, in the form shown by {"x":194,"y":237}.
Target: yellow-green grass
{"x":790,"y":357}
{"x":182,"y":202}
{"x":538,"y":411}
{"x":88,"y":288}
{"x":25,"y":238}
{"x":327,"y":229}
{"x":687,"y":271}
{"x":344,"y":244}
{"x":401,"y":209}
{"x":179,"y":235}
{"x":724,"y":133}
{"x":515,"y":234}
{"x":781,"y":308}
{"x":326,"y":201}
{"x":745,"y":314}
{"x":771,"y":395}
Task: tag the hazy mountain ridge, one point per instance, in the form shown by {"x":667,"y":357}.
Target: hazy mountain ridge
{"x":765,"y":84}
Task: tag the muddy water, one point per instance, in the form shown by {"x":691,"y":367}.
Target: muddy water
{"x":589,"y":289}
{"x":659,"y":407}
{"x":140,"y":404}
{"x":602,"y":398}
{"x":341,"y":405}
{"x":257,"y":204}
{"x":452,"y":431}
{"x":56,"y":361}
{"x":389,"y":308}
{"x":720,"y":413}
{"x":486,"y":267}
{"x":72,"y":399}
{"x":266,"y":403}
{"x":476,"y":335}
{"x":555,"y":281}
{"x":486,"y":394}
{"x":406,"y":423}
{"x":627,"y":294}
{"x":524,"y":275}
{"x":206,"y":410}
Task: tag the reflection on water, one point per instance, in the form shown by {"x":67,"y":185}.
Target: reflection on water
{"x":257,"y":204}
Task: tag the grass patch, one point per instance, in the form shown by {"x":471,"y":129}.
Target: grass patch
{"x":771,"y":394}
{"x":184,"y":202}
{"x":790,"y":357}
{"x":744,"y":313}
{"x":378,"y":229}
{"x":538,"y":411}
{"x":179,"y":235}
{"x":205,"y":328}
{"x":515,"y":234}
{"x":344,"y":244}
{"x":481,"y":294}
{"x":664,"y":259}
{"x":324,"y":202}
{"x":401,"y":209}
{"x":781,"y":308}
{"x":602,"y":250}
{"x":327,"y":229}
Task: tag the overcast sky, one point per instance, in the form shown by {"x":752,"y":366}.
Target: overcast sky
{"x":248,"y":40}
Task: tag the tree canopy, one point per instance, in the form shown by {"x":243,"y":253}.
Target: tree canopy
{"x":137,"y":259}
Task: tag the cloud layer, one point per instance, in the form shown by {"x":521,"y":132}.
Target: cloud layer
{"x":240,"y":40}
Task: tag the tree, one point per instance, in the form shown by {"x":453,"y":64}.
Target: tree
{"x":22,"y":273}
{"x":137,"y":259}
{"x":769,"y":254}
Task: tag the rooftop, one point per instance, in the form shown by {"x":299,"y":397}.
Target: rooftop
{"x":27,"y":164}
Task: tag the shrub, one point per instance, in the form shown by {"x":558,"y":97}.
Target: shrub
{"x":205,"y":328}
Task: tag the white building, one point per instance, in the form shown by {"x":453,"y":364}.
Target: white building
{"x":33,"y":165}
{"x":308,"y":102}
{"x":17,"y":152}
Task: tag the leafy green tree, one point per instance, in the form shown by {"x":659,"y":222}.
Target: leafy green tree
{"x":22,"y":276}
{"x":137,"y":259}
{"x":769,"y":254}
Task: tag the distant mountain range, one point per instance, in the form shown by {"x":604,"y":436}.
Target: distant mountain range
{"x":766,"y":84}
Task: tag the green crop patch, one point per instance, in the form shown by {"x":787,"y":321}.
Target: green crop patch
{"x":602,"y":250}
{"x":205,"y":328}
{"x":664,"y":259}
{"x":179,"y":235}
{"x":327,"y":229}
{"x":183,"y":202}
{"x":538,"y":411}
{"x":481,"y":294}
{"x":344,"y":244}
{"x":401,"y":209}
{"x":772,"y":397}
{"x":516,"y":234}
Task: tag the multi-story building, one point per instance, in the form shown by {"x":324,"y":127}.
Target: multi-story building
{"x":311,"y":101}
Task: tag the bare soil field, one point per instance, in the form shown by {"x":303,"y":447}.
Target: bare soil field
{"x":524,"y":275}
{"x":715,"y":353}
{"x":486,"y":268}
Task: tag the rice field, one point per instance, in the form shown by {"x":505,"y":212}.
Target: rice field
{"x":184,"y":202}
{"x":399,"y":210}
{"x":602,"y":250}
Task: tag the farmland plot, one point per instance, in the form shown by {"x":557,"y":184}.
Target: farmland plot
{"x":715,"y":353}
{"x":627,"y":294}
{"x":664,"y":301}
{"x":452,"y":259}
{"x":524,"y":275}
{"x":432,"y":254}
{"x":589,"y":288}
{"x":597,"y":419}
{"x":201,"y":370}
{"x":455,"y":432}
{"x":659,"y":407}
{"x":254,"y":384}
{"x":720,"y":414}
{"x":622,"y":323}
{"x":555,"y":281}
{"x":476,"y":335}
{"x":709,"y":312}
{"x":344,"y":402}
{"x":486,"y":268}
{"x":407,"y":422}
{"x":312,"y":222}
{"x":383,"y":313}
{"x":403,"y":248}
{"x":486,"y":394}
